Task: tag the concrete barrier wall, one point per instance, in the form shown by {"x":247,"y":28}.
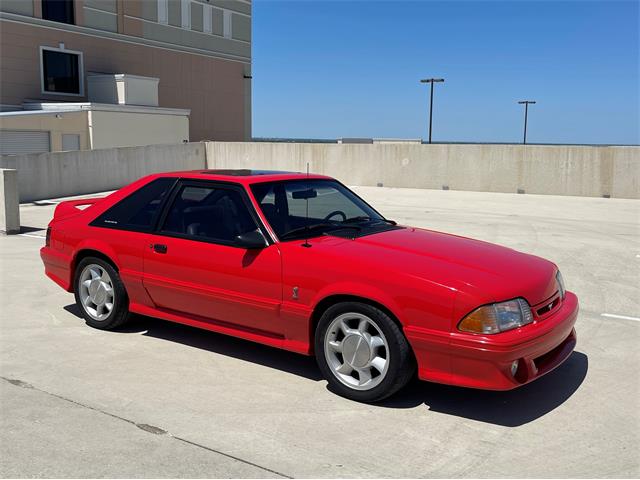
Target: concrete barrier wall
{"x":553,"y":170}
{"x":60,"y":174}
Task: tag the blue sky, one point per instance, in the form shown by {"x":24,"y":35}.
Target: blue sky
{"x":328,"y":69}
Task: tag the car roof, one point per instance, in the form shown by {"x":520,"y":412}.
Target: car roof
{"x":242,"y":176}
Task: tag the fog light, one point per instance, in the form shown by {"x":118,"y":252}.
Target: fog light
{"x":514,"y":368}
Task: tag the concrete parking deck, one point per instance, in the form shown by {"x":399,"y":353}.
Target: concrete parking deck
{"x":162,"y":400}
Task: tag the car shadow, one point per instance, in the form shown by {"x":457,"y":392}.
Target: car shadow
{"x":283,"y":360}
{"x":25,"y":229}
{"x":512,"y":408}
{"x":509,"y":409}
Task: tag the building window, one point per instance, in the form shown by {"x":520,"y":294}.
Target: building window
{"x":226,"y":24}
{"x":62,"y":71}
{"x":58,"y":11}
{"x":163,"y":12}
{"x":207,"y":13}
{"x":186,"y":14}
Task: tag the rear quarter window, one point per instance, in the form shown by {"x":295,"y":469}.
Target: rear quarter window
{"x":139,"y":210}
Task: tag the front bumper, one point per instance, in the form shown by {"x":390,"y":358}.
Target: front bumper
{"x":484,"y":361}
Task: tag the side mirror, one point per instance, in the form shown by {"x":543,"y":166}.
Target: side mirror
{"x":251,"y":240}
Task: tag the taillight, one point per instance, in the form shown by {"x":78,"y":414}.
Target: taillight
{"x":47,"y":242}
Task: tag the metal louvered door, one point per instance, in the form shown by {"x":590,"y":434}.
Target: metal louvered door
{"x":19,"y":142}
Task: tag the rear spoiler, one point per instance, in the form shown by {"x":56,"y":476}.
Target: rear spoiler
{"x":72,"y":207}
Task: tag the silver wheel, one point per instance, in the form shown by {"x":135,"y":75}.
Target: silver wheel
{"x":96,"y":292}
{"x":357,"y":351}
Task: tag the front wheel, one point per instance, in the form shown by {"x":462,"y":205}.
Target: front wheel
{"x":100,"y":294}
{"x":362,"y":352}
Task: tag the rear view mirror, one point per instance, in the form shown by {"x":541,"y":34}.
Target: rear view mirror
{"x":305,"y":194}
{"x":251,"y":240}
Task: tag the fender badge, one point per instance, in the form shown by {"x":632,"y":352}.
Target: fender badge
{"x":294,"y":294}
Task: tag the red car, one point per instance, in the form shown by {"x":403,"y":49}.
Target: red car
{"x":302,"y":263}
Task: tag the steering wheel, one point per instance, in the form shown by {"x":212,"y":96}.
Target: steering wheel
{"x":334,"y":213}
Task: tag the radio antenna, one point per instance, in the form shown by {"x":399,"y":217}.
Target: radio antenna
{"x":306,"y":243}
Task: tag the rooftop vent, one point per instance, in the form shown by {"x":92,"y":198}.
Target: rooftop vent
{"x":123,"y":89}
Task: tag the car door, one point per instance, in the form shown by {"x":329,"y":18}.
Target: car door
{"x":194,"y":267}
{"x":122,"y":232}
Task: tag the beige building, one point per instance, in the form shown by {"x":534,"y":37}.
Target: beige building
{"x":53,"y":127}
{"x":125,"y":63}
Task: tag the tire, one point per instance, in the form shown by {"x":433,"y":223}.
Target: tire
{"x":100,"y":294}
{"x":362,"y":352}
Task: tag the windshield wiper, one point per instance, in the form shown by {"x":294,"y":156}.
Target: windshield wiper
{"x":365,"y":218}
{"x":317,"y":226}
{"x":359,"y":218}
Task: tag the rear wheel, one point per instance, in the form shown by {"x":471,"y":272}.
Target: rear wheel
{"x":362,"y":352}
{"x":100,"y":294}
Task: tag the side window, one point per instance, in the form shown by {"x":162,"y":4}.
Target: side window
{"x":138,"y":211}
{"x":209,"y":213}
{"x":273,"y":203}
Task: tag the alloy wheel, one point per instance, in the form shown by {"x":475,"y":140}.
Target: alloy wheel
{"x":357,"y":351}
{"x":96,"y":292}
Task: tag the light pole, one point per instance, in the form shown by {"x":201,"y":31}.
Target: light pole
{"x":431,"y":81}
{"x":526,"y":114}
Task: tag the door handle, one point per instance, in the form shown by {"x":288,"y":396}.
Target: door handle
{"x":159,"y":248}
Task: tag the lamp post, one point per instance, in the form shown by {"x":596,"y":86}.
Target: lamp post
{"x":526,"y":114}
{"x":431,"y":81}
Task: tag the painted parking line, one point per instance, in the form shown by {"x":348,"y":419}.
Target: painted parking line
{"x":621,"y":317}
{"x":30,"y":235}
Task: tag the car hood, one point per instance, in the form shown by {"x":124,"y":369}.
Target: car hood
{"x":490,"y":271}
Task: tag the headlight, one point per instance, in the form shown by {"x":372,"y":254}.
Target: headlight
{"x":560,"y":282}
{"x":498,"y":317}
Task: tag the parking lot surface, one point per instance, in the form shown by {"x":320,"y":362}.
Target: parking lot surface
{"x":157,"y":399}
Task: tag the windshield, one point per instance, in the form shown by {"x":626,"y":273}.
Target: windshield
{"x":300,"y":208}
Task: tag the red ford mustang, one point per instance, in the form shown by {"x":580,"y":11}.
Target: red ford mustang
{"x":302,"y":263}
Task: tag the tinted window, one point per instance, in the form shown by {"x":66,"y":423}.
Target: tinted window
{"x":138,"y":211}
{"x":325,"y":200}
{"x":210,"y":213}
{"x":285,"y":204}
{"x":61,"y":72}
{"x":58,"y":10}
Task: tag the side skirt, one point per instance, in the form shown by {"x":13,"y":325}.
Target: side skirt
{"x":257,"y":336}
